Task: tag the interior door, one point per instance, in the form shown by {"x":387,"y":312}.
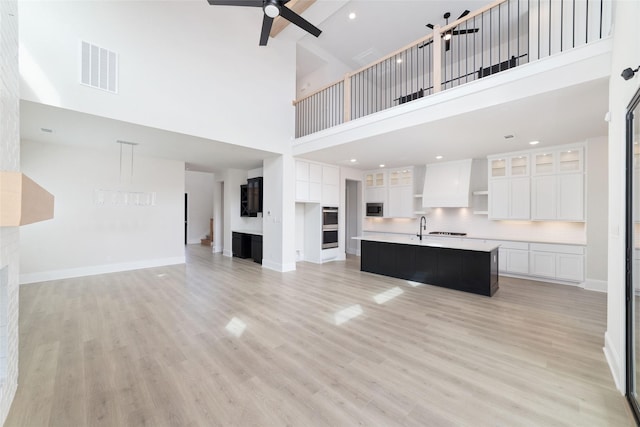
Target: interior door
{"x":633,"y":254}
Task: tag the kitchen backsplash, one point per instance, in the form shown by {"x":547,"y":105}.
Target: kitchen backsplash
{"x":463,"y":220}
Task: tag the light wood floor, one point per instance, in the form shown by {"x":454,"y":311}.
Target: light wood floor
{"x":159,"y":347}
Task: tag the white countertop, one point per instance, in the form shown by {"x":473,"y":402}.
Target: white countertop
{"x":426,"y":241}
{"x":254,"y":232}
{"x":506,"y":239}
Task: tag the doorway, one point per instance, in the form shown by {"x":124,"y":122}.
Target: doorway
{"x":352,"y":221}
{"x":186,"y":204}
{"x":633,"y":255}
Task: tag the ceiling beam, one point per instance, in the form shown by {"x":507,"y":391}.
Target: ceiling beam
{"x":298,"y":6}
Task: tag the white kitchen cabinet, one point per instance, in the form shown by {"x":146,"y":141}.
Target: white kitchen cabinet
{"x":559,"y":262}
{"x":302,"y":180}
{"x":309,"y":182}
{"x":558,"y":197}
{"x":394,"y":188}
{"x":517,"y":261}
{"x":330,"y":185}
{"x":400,"y":193}
{"x":571,"y":197}
{"x":544,"y":197}
{"x":400,"y":202}
{"x":509,"y":198}
{"x":554,"y":192}
{"x":513,"y":257}
{"x":570,"y":267}
{"x":375,"y":187}
{"x":499,"y":191}
{"x":542,"y":264}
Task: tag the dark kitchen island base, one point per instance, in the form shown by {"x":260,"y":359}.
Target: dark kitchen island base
{"x":459,"y":269}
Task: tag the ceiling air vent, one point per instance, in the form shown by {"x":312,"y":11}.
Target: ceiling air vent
{"x":99,"y":68}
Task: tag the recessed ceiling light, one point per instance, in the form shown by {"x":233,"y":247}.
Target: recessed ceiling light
{"x":438,"y":157}
{"x":353,"y":160}
{"x":382,"y":165}
{"x":47,"y":130}
{"x":352,"y":16}
{"x":534,"y":142}
{"x":399,"y":61}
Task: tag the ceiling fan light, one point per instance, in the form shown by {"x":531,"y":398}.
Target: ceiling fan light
{"x":271,"y":9}
{"x":447,"y":36}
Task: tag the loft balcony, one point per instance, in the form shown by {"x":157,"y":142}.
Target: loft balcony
{"x":493,"y":40}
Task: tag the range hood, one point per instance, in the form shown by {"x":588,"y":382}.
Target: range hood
{"x":446,"y":184}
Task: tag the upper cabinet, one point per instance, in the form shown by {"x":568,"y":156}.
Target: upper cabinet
{"x":394,"y":188}
{"x":558,"y":185}
{"x":509,"y":186}
{"x":375,"y":186}
{"x":400,"y":193}
{"x":567,"y":160}
{"x":330,"y":185}
{"x":509,"y":166}
{"x":317,"y":183}
{"x":308,"y":182}
{"x":540,"y":185}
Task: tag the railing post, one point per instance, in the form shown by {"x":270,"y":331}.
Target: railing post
{"x":347,"y":97}
{"x":437,"y":59}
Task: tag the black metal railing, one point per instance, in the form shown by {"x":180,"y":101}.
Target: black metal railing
{"x":503,"y":35}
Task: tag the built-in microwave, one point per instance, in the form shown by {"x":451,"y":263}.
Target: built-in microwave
{"x":375,"y":209}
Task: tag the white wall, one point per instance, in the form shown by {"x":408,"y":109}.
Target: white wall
{"x":199,"y":187}
{"x":86,"y":238}
{"x":626,"y":53}
{"x":9,"y":236}
{"x":218,"y":214}
{"x":184,"y":66}
{"x":279,"y":241}
{"x":597,"y":197}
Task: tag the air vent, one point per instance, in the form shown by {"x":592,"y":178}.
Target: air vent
{"x":99,"y":68}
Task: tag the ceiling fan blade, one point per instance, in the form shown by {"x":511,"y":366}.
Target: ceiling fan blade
{"x":466,"y":31}
{"x":430,"y":26}
{"x":447,"y":45}
{"x":298,"y":20}
{"x":266,"y":30}
{"x":425,"y":44}
{"x":465,"y":13}
{"x":251,"y":3}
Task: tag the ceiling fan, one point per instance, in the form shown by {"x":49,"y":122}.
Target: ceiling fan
{"x":271,"y":8}
{"x":451,"y":32}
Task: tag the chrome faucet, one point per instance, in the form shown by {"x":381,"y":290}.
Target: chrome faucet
{"x":422,"y":227}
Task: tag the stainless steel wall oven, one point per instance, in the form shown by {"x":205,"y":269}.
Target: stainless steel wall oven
{"x":329,"y":227}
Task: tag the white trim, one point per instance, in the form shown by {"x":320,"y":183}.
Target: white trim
{"x":270,"y":265}
{"x":613,"y":360}
{"x":596,"y":285}
{"x":542,"y":279}
{"x":69,"y":273}
{"x":227,"y":252}
{"x":216,"y":249}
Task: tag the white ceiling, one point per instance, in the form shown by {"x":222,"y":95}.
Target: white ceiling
{"x":85,"y":130}
{"x":380,"y":27}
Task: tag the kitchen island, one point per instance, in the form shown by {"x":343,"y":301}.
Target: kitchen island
{"x":464,"y":266}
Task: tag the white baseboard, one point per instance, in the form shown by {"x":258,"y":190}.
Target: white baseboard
{"x":216,"y":249}
{"x":45,"y":276}
{"x":227,"y":252}
{"x":276,"y":266}
{"x":613,"y":360}
{"x":595,"y":285}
